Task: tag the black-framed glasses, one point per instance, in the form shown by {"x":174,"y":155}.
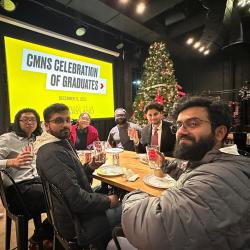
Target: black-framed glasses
{"x":27,"y":120}
{"x":189,"y":124}
{"x":60,"y":120}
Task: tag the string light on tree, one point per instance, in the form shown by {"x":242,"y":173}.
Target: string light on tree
{"x":158,"y":83}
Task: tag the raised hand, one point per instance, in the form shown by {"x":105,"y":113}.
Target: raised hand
{"x":136,"y":137}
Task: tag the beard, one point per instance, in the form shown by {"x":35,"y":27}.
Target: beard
{"x":194,"y":151}
{"x":62,"y":134}
{"x":120,"y":121}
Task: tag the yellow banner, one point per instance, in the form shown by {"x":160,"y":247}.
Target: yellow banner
{"x":39,"y":76}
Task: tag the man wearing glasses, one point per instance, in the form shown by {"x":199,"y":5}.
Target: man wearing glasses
{"x":157,"y":132}
{"x":209,"y":207}
{"x":58,"y":163}
{"x":16,"y":158}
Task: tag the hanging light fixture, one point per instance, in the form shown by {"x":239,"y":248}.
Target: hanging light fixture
{"x":190,"y":40}
{"x":81,"y":31}
{"x":120,"y":45}
{"x":206,"y":52}
{"x":140,"y":8}
{"x":243,"y":3}
{"x":8,"y":5}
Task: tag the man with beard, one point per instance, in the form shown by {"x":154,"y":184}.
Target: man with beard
{"x":58,"y":163}
{"x":118,"y":135}
{"x":209,"y":207}
{"x":157,"y":132}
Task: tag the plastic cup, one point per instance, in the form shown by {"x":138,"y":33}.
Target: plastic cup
{"x":85,"y":156}
{"x":152,"y":154}
{"x":99,"y":151}
{"x":115,"y":159}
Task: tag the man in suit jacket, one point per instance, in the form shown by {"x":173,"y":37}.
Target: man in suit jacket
{"x":165,"y":139}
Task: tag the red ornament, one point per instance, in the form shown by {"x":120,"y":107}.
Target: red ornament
{"x":181,"y":93}
{"x":178,"y":86}
{"x":140,"y":105}
{"x":159,"y":98}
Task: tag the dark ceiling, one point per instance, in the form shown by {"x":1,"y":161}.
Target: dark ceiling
{"x":215,"y":23}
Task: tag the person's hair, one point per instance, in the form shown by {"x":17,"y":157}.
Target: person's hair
{"x":153,"y":105}
{"x":16,"y":126}
{"x":84,"y":113}
{"x":219,"y":112}
{"x":52,"y":109}
{"x":121,"y":110}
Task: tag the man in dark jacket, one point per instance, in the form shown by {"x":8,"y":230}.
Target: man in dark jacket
{"x":59,"y":164}
{"x":209,"y":208}
{"x":158,"y":131}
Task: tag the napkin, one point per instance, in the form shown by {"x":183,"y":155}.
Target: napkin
{"x":130,"y":175}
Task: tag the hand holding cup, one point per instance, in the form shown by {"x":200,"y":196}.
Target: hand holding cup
{"x":99,"y":151}
{"x":95,"y":164}
{"x":153,"y":155}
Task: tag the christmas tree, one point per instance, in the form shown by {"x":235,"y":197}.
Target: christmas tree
{"x":158,"y":83}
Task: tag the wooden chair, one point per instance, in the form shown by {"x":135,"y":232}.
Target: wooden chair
{"x":20,"y":219}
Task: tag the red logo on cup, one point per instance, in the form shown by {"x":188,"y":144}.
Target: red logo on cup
{"x":152,"y":154}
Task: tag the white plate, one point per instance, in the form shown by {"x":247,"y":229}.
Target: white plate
{"x":109,"y":170}
{"x":82,"y":151}
{"x":157,"y":182}
{"x":114,"y":150}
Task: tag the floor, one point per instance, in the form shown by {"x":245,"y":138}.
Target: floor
{"x":13,"y":233}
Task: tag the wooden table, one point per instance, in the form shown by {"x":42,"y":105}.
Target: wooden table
{"x":130,"y":160}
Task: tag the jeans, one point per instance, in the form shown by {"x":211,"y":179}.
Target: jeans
{"x":114,"y":215}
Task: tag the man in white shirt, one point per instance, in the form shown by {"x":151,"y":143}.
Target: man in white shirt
{"x":118,"y":135}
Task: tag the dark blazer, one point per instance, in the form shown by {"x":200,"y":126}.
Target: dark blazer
{"x":167,"y":139}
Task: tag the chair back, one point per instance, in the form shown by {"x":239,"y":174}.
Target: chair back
{"x":54,"y":198}
{"x":20,"y":216}
{"x":54,"y":201}
{"x":6,"y":205}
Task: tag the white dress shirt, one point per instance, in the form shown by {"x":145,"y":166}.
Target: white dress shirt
{"x":10,"y":146}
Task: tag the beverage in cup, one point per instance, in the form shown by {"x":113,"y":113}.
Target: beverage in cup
{"x":28,"y":148}
{"x":99,"y":151}
{"x":85,"y":156}
{"x":158,"y":172}
{"x":115,"y":159}
{"x":152,"y":154}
